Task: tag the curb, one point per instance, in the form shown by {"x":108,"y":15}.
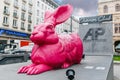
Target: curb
{"x":116,"y":62}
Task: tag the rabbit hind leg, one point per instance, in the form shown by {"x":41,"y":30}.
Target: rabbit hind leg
{"x":66,"y":65}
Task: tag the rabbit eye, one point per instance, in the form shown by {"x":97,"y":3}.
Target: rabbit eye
{"x":49,"y":27}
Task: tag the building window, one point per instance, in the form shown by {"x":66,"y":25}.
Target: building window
{"x":14,"y":23}
{"x":29,"y":19}
{"x":5,"y":20}
{"x":23,"y":16}
{"x":37,"y":21}
{"x":29,"y":27}
{"x":117,"y":7}
{"x":105,"y":9}
{"x":30,"y":9}
{"x":48,"y":8}
{"x":30,"y":2}
{"x":7,"y":2}
{"x":45,"y":8}
{"x":38,"y":3}
{"x":42,"y":7}
{"x":6,"y":10}
{"x":15,"y":14}
{"x":23,"y":6}
{"x":42,"y":16}
{"x":38,"y":12}
{"x":16,"y":3}
{"x":22,"y":25}
{"x":117,"y":28}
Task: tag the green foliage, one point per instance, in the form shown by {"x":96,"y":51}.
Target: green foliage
{"x":116,"y":57}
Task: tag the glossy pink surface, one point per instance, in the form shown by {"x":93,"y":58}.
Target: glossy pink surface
{"x":52,"y":51}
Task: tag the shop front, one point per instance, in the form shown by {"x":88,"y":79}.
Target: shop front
{"x":10,"y":37}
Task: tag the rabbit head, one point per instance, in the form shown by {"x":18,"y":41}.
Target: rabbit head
{"x":44,"y":33}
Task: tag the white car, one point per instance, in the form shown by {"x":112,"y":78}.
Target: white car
{"x":28,"y":48}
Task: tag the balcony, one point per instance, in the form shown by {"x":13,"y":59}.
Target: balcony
{"x":6,"y":12}
{"x":29,"y":29}
{"x":30,"y":11}
{"x":24,"y":1}
{"x":23,"y":18}
{"x":6,"y":24}
{"x":22,"y":28}
{"x":29,"y":20}
{"x":30,"y":3}
{"x":23,"y":8}
{"x":7,"y":2}
{"x":16,"y":5}
{"x":15,"y":26}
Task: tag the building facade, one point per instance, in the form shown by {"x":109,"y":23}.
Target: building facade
{"x":15,"y":20}
{"x":112,"y":7}
{"x":75,"y":24}
{"x":18,"y":18}
{"x":41,"y":6}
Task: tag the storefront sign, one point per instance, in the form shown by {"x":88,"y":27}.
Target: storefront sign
{"x":96,"y":19}
{"x":10,"y":32}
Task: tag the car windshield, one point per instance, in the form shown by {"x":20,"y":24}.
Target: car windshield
{"x":118,"y":46}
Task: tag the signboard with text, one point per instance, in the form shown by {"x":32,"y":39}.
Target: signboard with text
{"x":13,"y":33}
{"x":96,"y":19}
{"x":97,"y":38}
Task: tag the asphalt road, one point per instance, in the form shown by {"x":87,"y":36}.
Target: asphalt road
{"x":116,"y":71}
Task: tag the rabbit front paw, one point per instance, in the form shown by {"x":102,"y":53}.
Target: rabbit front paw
{"x":24,"y":69}
{"x":38,"y":69}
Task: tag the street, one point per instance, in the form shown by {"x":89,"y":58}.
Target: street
{"x":94,"y":66}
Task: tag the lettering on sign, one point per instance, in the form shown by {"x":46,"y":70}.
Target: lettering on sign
{"x":93,"y":34}
{"x":96,"y":19}
{"x":9,"y":32}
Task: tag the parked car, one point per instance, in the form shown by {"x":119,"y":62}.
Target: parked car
{"x":27,"y":48}
{"x":15,"y":51}
{"x":117,"y":48}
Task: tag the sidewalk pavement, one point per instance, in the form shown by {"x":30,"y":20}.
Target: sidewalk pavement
{"x":116,"y":67}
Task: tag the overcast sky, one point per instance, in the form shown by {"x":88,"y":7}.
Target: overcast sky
{"x":82,"y":8}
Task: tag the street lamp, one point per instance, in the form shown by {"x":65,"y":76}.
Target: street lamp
{"x":71,"y":24}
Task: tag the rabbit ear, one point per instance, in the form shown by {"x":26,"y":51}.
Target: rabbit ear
{"x":62,"y":13}
{"x":48,"y":14}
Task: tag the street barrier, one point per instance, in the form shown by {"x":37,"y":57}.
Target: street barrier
{"x":13,"y":58}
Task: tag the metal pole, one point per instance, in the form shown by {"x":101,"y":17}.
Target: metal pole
{"x":71,"y":24}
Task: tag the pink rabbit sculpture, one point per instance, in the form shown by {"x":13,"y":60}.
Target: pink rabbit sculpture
{"x":53,"y":51}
